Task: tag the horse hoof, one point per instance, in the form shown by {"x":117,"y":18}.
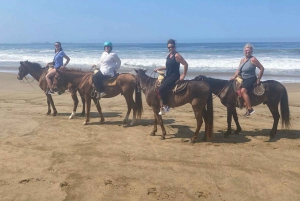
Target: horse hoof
{"x":101,"y":122}
{"x":84,"y":123}
{"x":152,"y":134}
{"x":162,"y":138}
{"x":193,"y":141}
{"x":70,"y":117}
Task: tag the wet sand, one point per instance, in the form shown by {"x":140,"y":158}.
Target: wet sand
{"x":53,"y":158}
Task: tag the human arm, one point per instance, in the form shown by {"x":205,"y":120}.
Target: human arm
{"x":118,"y":62}
{"x":162,"y":68}
{"x":255,"y":62}
{"x":181,"y":60}
{"x":68,"y":60}
{"x":237,"y":71}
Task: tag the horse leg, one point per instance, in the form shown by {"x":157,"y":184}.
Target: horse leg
{"x":48,"y":103}
{"x":276,"y":116}
{"x":236,"y":120}
{"x":75,"y":101}
{"x":98,"y":106}
{"x":88,"y":109}
{"x":155,"y":126}
{"x":130,"y":105}
{"x":83,"y":104}
{"x":229,"y":119}
{"x":159,"y":119}
{"x":198,"y":117}
{"x":52,"y":104}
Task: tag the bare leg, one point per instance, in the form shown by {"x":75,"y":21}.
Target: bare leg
{"x":49,"y":75}
{"x":246,"y":98}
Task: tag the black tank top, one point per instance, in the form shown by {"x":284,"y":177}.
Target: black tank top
{"x":172,"y":66}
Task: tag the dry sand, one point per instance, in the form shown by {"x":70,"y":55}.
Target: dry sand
{"x":53,"y":158}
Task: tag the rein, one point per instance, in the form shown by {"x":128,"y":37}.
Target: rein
{"x":142,"y":87}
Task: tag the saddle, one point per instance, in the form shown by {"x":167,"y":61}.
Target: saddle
{"x":180,"y":85}
{"x":108,"y":81}
{"x":257,"y":89}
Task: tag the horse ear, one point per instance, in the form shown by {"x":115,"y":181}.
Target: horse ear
{"x":135,"y":70}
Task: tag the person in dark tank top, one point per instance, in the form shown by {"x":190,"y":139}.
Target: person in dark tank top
{"x":174,"y":59}
{"x":246,"y":70}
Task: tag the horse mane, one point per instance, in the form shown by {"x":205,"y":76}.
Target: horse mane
{"x":33,"y":64}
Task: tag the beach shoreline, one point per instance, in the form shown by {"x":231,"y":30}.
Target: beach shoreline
{"x":54,"y":158}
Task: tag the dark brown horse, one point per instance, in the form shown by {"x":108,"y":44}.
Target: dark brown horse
{"x":82,"y":81}
{"x":275,"y":93}
{"x":38,"y":73}
{"x":198,"y":94}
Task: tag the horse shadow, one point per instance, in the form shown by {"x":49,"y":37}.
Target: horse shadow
{"x":281,"y":134}
{"x":185,"y":133}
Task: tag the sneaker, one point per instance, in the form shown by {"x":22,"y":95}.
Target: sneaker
{"x":50,"y":92}
{"x":251,"y":111}
{"x":102,"y":94}
{"x":163,"y":110}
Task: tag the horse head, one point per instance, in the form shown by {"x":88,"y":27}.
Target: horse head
{"x":140,"y":75}
{"x":23,"y":71}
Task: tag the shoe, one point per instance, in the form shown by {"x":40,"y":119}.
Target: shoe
{"x":100,"y":95}
{"x":50,"y":92}
{"x":164,"y":110}
{"x":251,"y":111}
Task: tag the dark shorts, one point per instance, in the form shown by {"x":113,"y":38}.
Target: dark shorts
{"x":248,"y":83}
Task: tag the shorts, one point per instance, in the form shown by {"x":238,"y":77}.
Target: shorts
{"x":248,"y":83}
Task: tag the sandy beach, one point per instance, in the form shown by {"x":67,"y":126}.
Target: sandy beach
{"x":53,"y":158}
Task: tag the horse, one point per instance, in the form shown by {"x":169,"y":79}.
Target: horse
{"x":82,"y":81}
{"x":38,"y":73}
{"x":198,"y":94}
{"x":275,"y":93}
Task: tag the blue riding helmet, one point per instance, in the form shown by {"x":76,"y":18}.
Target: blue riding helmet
{"x":107,"y":44}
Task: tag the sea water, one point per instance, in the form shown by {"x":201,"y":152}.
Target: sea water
{"x":280,"y":59}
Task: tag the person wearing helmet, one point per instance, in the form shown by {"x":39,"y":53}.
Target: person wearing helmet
{"x":108,"y":66}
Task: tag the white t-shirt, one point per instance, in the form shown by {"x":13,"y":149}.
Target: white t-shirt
{"x":109,"y":63}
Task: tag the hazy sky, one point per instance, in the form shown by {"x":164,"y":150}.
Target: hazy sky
{"x":26,"y":21}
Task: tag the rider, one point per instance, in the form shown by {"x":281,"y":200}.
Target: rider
{"x":247,"y":71}
{"x":57,"y":64}
{"x":109,"y":65}
{"x":174,"y":59}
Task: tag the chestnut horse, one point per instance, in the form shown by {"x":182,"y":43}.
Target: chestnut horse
{"x":198,"y":94}
{"x":82,"y":81}
{"x":38,"y":73}
{"x":275,"y":93}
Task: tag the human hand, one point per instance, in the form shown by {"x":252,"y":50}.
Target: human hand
{"x":182,"y":77}
{"x":155,"y":70}
{"x":258,"y":81}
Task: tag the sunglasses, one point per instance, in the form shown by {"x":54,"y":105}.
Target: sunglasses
{"x":56,"y":45}
{"x":170,"y":47}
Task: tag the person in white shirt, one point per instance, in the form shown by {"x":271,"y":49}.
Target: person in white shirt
{"x":109,"y":65}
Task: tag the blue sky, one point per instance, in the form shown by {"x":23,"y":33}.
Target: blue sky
{"x":123,"y":21}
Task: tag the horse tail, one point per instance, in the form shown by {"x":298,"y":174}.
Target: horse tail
{"x":210,"y":115}
{"x":284,"y":110}
{"x":138,"y":102}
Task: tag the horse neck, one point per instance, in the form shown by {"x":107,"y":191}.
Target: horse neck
{"x":147,"y":82}
{"x":217,"y":85}
{"x":36,"y":73}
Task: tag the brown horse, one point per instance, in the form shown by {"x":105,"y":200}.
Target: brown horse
{"x":275,"y":93}
{"x":125,"y":85}
{"x":198,"y":94}
{"x":38,"y":73}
